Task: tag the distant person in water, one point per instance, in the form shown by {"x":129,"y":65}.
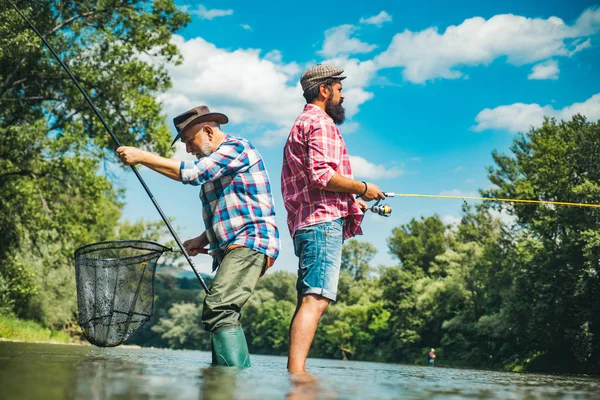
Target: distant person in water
{"x":431,"y":357}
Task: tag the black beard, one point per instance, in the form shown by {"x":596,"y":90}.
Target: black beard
{"x":335,"y":111}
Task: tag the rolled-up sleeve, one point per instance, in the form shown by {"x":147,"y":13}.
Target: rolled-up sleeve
{"x":324,"y":153}
{"x":228,"y":159}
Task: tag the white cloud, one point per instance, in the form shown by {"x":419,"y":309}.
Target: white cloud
{"x":338,"y":42}
{"x":354,"y":97}
{"x":362,"y":168}
{"x":515,"y":118}
{"x":273,"y":136}
{"x":359,"y":73}
{"x":180,"y":153}
{"x":428,"y":54}
{"x":205,"y":13}
{"x":588,"y":22}
{"x":545,"y":70}
{"x":520,"y":117}
{"x":378,"y":19}
{"x":242,"y":84}
{"x":261,"y":91}
{"x":451,"y":220}
{"x":349,"y":127}
{"x":506,"y":218}
{"x":246,"y":27}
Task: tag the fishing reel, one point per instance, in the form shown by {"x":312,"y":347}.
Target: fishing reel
{"x":384,"y":210}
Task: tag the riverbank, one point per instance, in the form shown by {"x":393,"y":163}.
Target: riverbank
{"x":14,"y":329}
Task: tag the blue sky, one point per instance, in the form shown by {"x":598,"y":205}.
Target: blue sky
{"x":431,"y":91}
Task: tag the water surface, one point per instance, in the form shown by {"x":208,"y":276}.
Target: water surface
{"x":47,"y":371}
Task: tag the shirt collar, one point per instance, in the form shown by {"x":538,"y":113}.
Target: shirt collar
{"x":314,"y":108}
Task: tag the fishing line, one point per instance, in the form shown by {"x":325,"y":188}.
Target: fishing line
{"x":386,"y":210}
{"x":137,"y":174}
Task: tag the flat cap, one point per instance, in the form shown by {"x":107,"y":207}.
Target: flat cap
{"x":317,"y":74}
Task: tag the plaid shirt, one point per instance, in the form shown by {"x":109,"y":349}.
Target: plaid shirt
{"x":237,"y":204}
{"x":313,"y":153}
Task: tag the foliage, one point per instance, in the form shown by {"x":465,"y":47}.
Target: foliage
{"x":13,"y":328}
{"x":56,"y":188}
{"x":183,"y":328}
{"x":356,"y":257}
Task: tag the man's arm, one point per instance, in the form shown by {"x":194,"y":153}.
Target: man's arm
{"x":324,"y":151}
{"x":339,"y":183}
{"x":196,"y":245}
{"x":162,"y":165}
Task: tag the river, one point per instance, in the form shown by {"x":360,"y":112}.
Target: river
{"x":52,"y":371}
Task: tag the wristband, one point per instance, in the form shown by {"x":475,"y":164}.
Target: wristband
{"x":366,"y":188}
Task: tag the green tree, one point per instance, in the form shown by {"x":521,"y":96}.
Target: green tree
{"x":183,"y":329}
{"x":269,"y":329}
{"x":55,"y":190}
{"x":554,"y":298}
{"x":417,"y":243}
{"x":356,"y":257}
{"x":281,"y":283}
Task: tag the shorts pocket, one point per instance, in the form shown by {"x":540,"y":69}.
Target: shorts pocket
{"x":334,"y":228}
{"x":305,"y":247}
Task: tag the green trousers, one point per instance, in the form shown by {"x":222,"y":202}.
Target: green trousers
{"x":231,"y":288}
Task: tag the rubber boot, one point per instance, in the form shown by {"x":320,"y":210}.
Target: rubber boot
{"x":213,"y":354}
{"x":230,"y":348}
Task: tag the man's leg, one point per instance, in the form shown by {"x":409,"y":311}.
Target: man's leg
{"x":231,"y":288}
{"x":319,"y":248}
{"x":302,"y":330}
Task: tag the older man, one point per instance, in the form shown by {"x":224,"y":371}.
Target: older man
{"x":239,"y":215}
{"x":319,"y":194}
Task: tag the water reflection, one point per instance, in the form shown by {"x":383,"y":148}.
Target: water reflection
{"x":304,"y":387}
{"x":104,"y":378}
{"x":49,"y":372}
{"x":218,"y":383}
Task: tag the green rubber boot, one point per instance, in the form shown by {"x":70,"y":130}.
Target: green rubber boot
{"x":230,"y":348}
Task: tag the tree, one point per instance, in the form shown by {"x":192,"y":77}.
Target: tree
{"x":556,"y":273}
{"x":183,"y":328}
{"x":356,"y":257}
{"x":417,"y":243}
{"x":55,"y":188}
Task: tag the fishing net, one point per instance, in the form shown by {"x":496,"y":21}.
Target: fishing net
{"x":115,"y":288}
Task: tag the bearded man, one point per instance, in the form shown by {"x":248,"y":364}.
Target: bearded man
{"x":320,"y":196}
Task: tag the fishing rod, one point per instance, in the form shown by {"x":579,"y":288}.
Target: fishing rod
{"x":386,"y":210}
{"x":112,"y":135}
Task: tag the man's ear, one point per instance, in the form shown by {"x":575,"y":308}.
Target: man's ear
{"x":209,"y":131}
{"x":324,"y":92}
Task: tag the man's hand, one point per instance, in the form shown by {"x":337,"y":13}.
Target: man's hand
{"x":373,"y":193}
{"x":362,"y":205}
{"x":130,"y":155}
{"x":196,"y":245}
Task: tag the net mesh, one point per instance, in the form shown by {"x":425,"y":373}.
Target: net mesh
{"x":115,"y":288}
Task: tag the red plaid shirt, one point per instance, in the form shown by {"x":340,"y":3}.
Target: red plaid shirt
{"x":313,"y":153}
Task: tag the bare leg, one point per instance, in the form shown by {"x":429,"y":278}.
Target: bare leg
{"x":302,"y":330}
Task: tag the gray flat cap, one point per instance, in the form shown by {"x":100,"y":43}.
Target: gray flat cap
{"x":317,"y":74}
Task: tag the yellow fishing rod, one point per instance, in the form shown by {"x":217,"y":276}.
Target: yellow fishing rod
{"x":386,"y":210}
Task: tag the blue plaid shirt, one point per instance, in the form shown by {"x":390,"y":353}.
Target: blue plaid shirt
{"x":237,"y":204}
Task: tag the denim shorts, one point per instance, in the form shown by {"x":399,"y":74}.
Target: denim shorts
{"x":319,"y":248}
